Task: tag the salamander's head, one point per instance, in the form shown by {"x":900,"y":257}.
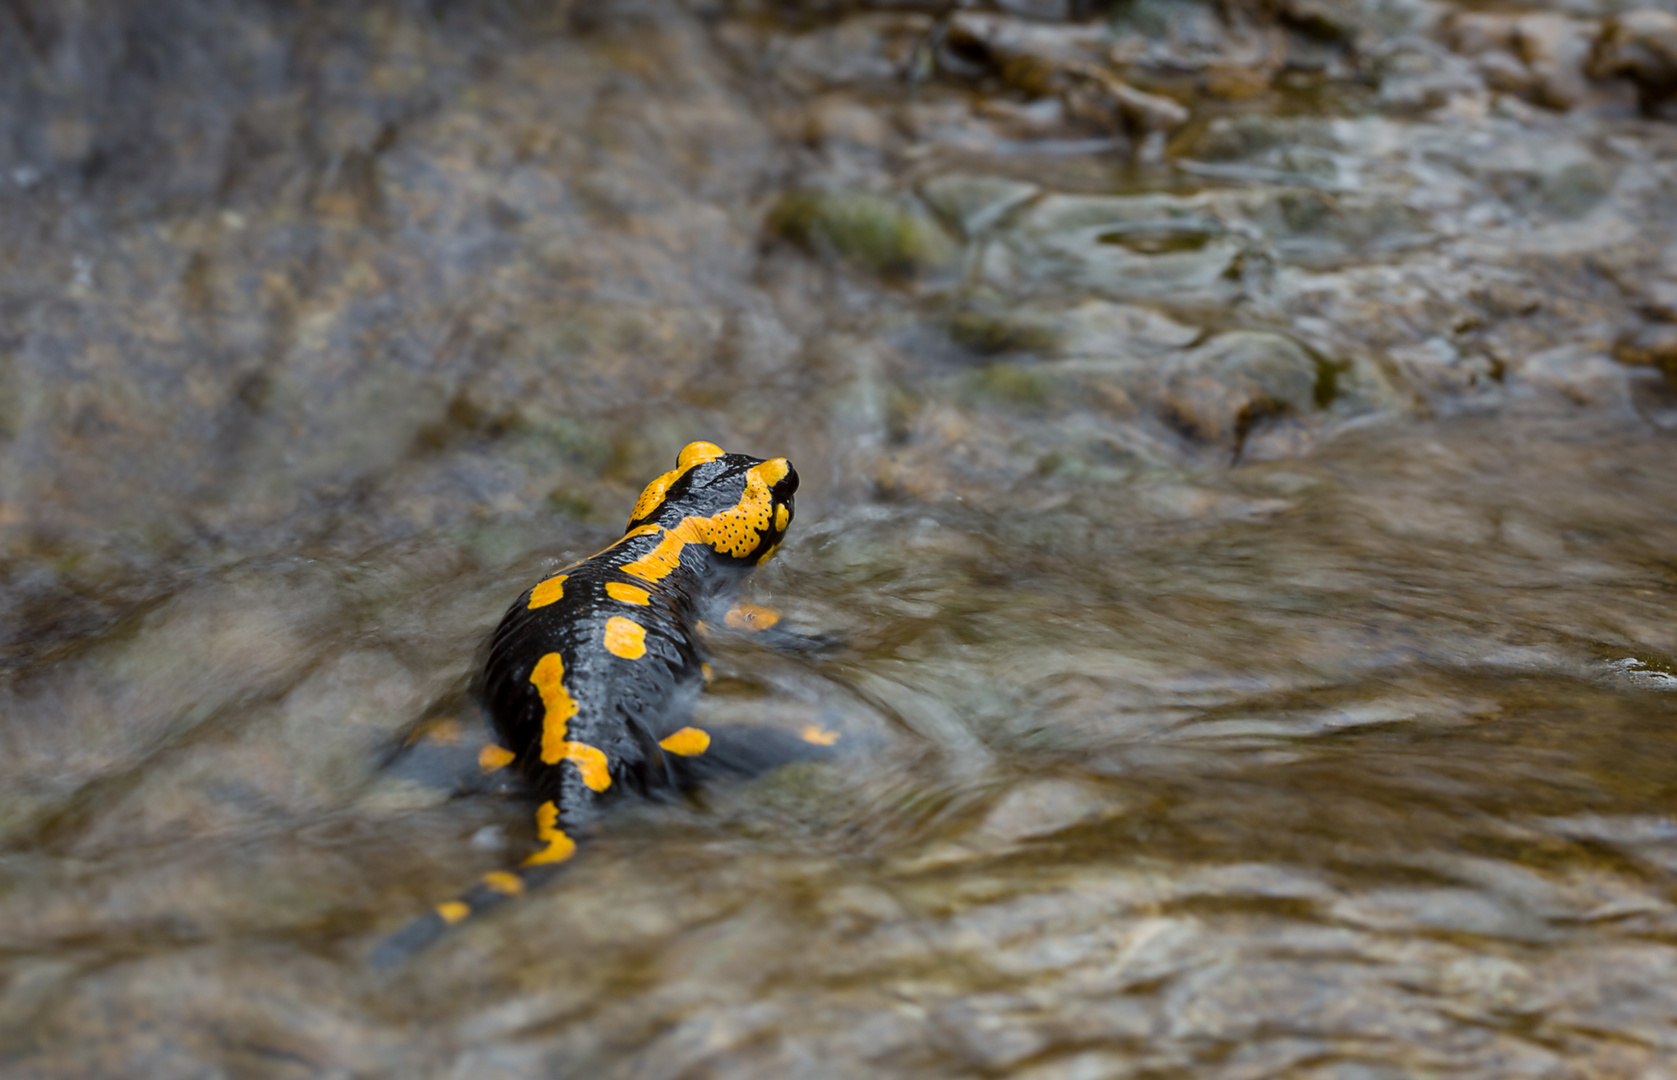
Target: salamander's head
{"x":741,"y":505}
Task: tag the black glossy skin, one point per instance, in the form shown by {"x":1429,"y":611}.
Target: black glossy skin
{"x":625,"y":707}
{"x":714,"y":518}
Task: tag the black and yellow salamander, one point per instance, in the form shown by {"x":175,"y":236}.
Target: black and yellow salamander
{"x":593,"y":673}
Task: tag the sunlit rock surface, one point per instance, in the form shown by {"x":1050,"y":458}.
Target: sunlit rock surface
{"x":1236,"y":446}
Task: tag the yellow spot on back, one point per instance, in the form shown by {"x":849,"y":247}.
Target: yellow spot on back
{"x":625,"y":638}
{"x":744,"y":616}
{"x":688,"y":742}
{"x":591,"y":762}
{"x":547,"y":592}
{"x":549,"y":681}
{"x":782,"y":518}
{"x":503,"y":882}
{"x":628,"y":594}
{"x":767,"y":555}
{"x":559,"y":846}
{"x":493,"y":758}
{"x":453,"y":911}
{"x":820,"y":736}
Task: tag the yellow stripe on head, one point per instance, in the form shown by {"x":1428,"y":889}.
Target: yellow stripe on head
{"x":771,"y":472}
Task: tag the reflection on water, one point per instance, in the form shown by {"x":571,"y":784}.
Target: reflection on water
{"x":1244,"y":530}
{"x":1366,"y":764}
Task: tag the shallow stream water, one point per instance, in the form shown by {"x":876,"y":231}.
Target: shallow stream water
{"x":1244,"y":535}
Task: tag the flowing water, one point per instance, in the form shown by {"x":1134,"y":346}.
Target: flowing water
{"x":1237,"y":500}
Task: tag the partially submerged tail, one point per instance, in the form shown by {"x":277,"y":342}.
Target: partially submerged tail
{"x":732,"y":750}
{"x":490,"y":891}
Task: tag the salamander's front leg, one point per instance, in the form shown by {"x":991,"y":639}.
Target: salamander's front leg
{"x":763,"y":625}
{"x":745,"y":750}
{"x":750,"y":617}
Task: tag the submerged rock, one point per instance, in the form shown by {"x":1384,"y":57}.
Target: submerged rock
{"x":1642,"y":46}
{"x":1219,"y":392}
{"x":1652,"y":345}
{"x":876,"y":233}
{"x":1153,"y":247}
{"x":974,"y":204}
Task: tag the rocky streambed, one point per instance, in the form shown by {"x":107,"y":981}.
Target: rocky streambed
{"x":1236,"y":446}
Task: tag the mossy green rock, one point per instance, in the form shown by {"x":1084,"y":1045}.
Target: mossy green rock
{"x":876,"y":233}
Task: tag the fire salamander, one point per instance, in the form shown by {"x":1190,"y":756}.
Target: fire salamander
{"x":593,"y":673}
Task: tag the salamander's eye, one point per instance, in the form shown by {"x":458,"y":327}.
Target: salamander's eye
{"x":788,"y":483}
{"x":697,"y":453}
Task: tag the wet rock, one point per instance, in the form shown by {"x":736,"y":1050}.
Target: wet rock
{"x":1265,"y":149}
{"x":1563,"y":179}
{"x":1094,"y":330}
{"x":843,"y":120}
{"x":1652,"y":345}
{"x":1144,"y":247}
{"x":1417,"y":75}
{"x":867,"y":49}
{"x":1042,"y":808}
{"x":996,"y":40}
{"x":1222,"y":390}
{"x":1547,"y":59}
{"x":1642,"y":46}
{"x":1318,"y":228}
{"x":1056,"y":62}
{"x":1577,"y":374}
{"x":1351,"y":20}
{"x":989,"y":332}
{"x":1639,"y":674}
{"x":1439,"y":370}
{"x":881,"y":235}
{"x":1098,"y":329}
{"x":973,"y":205}
{"x":1489,"y":39}
{"x":1555,"y":49}
{"x":1219,"y":51}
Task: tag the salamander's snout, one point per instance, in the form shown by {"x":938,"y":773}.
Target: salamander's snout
{"x":788,"y":484}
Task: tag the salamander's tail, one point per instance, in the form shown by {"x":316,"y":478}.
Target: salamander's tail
{"x":736,"y":750}
{"x":491,"y":890}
